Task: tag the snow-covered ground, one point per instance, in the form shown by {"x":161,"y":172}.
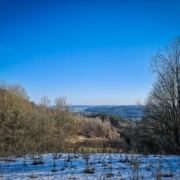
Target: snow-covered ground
{"x":102,"y":166}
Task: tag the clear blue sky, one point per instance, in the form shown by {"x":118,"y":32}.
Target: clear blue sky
{"x":94,"y":52}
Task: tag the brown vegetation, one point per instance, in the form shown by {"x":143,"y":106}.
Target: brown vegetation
{"x":29,"y":128}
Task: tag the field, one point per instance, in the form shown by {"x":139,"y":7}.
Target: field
{"x":90,"y":166}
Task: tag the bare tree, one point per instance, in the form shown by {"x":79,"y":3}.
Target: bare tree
{"x":16,"y":89}
{"x":14,"y":120}
{"x":64,"y":123}
{"x":44,"y":118}
{"x":162,"y":110}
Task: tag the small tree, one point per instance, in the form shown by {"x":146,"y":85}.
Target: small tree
{"x":162,"y":106}
{"x":64,"y":123}
{"x":44,"y":118}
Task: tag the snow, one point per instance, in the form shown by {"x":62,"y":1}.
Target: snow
{"x":105,"y":166}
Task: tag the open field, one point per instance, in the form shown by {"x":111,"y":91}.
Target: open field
{"x":90,"y":166}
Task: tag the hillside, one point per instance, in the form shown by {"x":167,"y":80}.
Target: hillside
{"x":125,"y":111}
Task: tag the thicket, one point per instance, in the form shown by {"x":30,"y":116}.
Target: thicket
{"x":29,"y":128}
{"x":26,"y":127}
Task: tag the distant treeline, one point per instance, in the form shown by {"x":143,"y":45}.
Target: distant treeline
{"x":129,"y":111}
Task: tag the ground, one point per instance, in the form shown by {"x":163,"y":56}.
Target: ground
{"x":90,"y":167}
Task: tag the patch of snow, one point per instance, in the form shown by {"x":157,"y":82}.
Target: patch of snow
{"x":103,"y":166}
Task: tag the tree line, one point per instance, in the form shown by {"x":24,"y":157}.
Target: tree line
{"x":26,"y":127}
{"x":29,"y":128}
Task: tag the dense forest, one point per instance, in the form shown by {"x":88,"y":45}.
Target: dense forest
{"x":30,"y":128}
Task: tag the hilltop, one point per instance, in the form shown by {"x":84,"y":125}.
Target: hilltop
{"x":125,"y":111}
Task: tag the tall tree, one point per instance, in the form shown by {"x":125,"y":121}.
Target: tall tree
{"x":15,"y":117}
{"x":64,"y":123}
{"x":44,"y":118}
{"x":162,"y":106}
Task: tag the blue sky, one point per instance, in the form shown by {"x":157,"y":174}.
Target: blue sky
{"x":94,"y":52}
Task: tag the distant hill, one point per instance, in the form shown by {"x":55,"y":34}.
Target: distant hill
{"x":126,"y":111}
